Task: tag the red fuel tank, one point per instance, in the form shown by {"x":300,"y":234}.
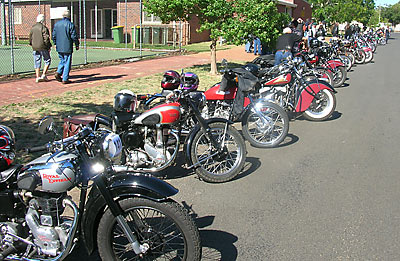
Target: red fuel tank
{"x":280,"y":80}
{"x":214,"y":94}
{"x":167,"y":113}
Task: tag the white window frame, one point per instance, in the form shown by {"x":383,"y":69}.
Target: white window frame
{"x":100,"y":16}
{"x":144,"y":15}
{"x":17,"y":15}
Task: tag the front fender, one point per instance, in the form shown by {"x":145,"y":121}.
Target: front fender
{"x":306,"y":94}
{"x":332,"y":64}
{"x":121,"y":186}
{"x":192,"y":134}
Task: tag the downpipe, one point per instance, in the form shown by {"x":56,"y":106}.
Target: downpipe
{"x":69,"y":244}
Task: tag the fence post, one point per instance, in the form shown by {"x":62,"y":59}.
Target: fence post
{"x":84,"y":30}
{"x":10,"y":34}
{"x":3,"y":23}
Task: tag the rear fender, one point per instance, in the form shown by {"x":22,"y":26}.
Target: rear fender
{"x":122,"y":185}
{"x":307,"y":94}
{"x":190,"y":137}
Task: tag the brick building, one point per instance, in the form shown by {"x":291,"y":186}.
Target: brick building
{"x":99,"y":16}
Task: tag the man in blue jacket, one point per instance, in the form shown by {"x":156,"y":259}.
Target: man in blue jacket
{"x":64,"y":35}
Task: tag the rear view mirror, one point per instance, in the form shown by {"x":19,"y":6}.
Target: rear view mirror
{"x":46,"y":125}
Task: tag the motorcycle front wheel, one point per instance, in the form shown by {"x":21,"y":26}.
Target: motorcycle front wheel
{"x":165,"y":227}
{"x":369,"y":56}
{"x":322,"y":106}
{"x":214,"y":166}
{"x":268,"y":132}
{"x":360,"y":56}
{"x":339,"y":76}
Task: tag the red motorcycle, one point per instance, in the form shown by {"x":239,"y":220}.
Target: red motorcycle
{"x":285,"y":85}
{"x":264,"y":124}
{"x":151,"y":140}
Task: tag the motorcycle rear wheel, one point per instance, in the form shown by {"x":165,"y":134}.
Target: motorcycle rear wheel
{"x":322,"y":107}
{"x":224,"y":166}
{"x":266,"y":135}
{"x":165,"y":226}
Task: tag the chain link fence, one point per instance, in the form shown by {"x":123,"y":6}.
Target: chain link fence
{"x":108,"y":30}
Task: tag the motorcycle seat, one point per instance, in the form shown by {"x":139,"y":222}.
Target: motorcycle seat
{"x":6,"y":174}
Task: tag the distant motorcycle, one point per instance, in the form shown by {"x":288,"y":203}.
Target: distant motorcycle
{"x":125,"y":215}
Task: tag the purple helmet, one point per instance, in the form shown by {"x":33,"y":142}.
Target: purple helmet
{"x":171,"y":80}
{"x":189,"y":81}
{"x":7,"y":147}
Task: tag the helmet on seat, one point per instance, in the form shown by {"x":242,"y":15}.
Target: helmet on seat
{"x":125,"y":101}
{"x":7,"y":147}
{"x":190,"y":81}
{"x":171,"y":80}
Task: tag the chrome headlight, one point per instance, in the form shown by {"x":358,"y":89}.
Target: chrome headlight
{"x":111,"y":145}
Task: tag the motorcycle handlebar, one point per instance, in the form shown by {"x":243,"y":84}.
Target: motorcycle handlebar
{"x":37,"y":149}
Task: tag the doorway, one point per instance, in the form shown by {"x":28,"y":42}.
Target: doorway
{"x":110,"y":20}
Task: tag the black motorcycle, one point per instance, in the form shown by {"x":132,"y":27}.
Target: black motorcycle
{"x":125,"y":215}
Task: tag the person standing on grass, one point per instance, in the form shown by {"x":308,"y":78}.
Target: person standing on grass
{"x":64,"y":35}
{"x":39,"y":39}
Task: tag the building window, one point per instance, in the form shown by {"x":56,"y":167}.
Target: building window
{"x":150,"y":18}
{"x":17,"y":16}
{"x":289,"y":10}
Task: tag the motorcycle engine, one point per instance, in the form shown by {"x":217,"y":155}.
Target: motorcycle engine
{"x":217,"y":109}
{"x":49,"y":229}
{"x":150,"y":155}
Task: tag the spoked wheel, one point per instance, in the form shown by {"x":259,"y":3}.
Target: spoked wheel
{"x":339,"y":76}
{"x":324,"y":74}
{"x":360,"y":56}
{"x":351,"y":57}
{"x":214,"y":166}
{"x":322,"y":106}
{"x":267,"y":131}
{"x":347,"y":61}
{"x":165,"y":227}
{"x":369,"y":56}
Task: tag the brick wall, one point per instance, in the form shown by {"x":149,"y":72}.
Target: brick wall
{"x":303,"y":10}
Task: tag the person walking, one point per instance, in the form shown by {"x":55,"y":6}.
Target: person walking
{"x":257,"y":45}
{"x":39,"y":39}
{"x":284,"y":44}
{"x":64,"y":35}
{"x":335,"y":29}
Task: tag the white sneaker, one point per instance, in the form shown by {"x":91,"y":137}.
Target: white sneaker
{"x":38,"y":79}
{"x":44,"y":78}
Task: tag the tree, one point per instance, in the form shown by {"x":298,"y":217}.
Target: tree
{"x":343,"y":10}
{"x":233,"y":20}
{"x":392,"y":13}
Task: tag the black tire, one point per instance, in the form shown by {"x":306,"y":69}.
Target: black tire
{"x":321,"y":109}
{"x":267,"y":134}
{"x":360,"y":56}
{"x":339,"y":76}
{"x":219,"y":168}
{"x":158,"y":221}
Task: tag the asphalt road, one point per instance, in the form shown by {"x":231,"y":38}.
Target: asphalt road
{"x":330,"y":192}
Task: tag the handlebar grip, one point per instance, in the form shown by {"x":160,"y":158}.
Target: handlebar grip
{"x":36,"y":149}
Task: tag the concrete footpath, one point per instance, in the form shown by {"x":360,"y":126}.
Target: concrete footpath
{"x":27,"y":89}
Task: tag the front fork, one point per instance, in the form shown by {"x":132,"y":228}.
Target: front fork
{"x":119,"y":214}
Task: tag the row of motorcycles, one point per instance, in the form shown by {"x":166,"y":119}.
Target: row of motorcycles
{"x":126,"y":212}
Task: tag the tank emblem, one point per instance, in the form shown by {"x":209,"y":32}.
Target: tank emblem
{"x":54,"y":178}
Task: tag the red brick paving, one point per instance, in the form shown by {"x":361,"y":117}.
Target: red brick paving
{"x":27,"y":89}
